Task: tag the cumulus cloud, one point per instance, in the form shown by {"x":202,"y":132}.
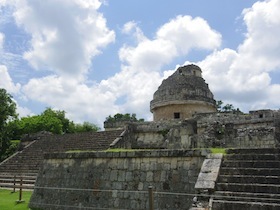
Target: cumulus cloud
{"x":6,"y":81}
{"x":186,"y":33}
{"x":14,"y":89}
{"x":175,"y":38}
{"x":65,"y":34}
{"x":245,"y":72}
{"x":131,"y":27}
{"x":81,"y":102}
{"x":131,"y":89}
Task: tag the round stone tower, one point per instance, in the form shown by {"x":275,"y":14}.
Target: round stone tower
{"x":182,"y":94}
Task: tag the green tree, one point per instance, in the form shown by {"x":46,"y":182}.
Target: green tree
{"x":50,"y":120}
{"x":226,"y":108}
{"x":123,"y":117}
{"x":219,"y":105}
{"x":7,"y":114}
{"x":85,"y":127}
{"x":64,"y":123}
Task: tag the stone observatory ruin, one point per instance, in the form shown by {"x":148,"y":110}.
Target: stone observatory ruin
{"x":173,"y":154}
{"x":181,"y":95}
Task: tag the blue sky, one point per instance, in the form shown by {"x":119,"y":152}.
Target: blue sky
{"x":96,"y":58}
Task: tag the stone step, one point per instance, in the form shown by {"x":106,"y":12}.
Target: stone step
{"x":252,"y":157}
{"x":252,"y":187}
{"x":251,"y":171}
{"x":254,"y":151}
{"x":19,"y":166}
{"x":251,"y":164}
{"x":249,"y":179}
{"x":245,"y":196}
{"x":16,"y":171}
{"x":243,"y":205}
{"x":18,"y":176}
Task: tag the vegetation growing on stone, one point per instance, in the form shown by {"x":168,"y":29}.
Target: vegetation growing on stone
{"x":125,"y":150}
{"x":164,"y":132}
{"x":218,"y":150}
{"x":123,"y":117}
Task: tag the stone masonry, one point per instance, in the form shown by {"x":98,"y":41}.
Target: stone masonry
{"x":117,"y":180}
{"x":182,"y":94}
{"x":258,"y":129}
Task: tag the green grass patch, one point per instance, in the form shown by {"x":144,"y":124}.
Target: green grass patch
{"x":15,"y":141}
{"x":126,"y":150}
{"x":79,"y":151}
{"x":108,"y":150}
{"x":218,"y":150}
{"x":8,"y":200}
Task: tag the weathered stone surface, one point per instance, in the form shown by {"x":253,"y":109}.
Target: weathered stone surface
{"x":226,"y":130}
{"x":205,"y":184}
{"x":209,"y":172}
{"x":105,"y":180}
{"x":184,"y":92}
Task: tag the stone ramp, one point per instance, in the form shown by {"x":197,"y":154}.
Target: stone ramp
{"x":29,"y":160}
{"x":248,"y":179}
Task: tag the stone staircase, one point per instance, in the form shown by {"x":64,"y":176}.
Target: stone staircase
{"x":26,"y":163}
{"x":249,"y":179}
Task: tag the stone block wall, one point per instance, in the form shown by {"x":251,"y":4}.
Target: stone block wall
{"x":117,"y":180}
{"x":259,"y":129}
{"x":172,"y":134}
{"x":236,"y":130}
{"x":185,"y":110}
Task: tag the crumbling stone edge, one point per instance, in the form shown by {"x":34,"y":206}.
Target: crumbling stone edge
{"x":206,"y":181}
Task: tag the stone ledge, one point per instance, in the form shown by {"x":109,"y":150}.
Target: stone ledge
{"x":128,"y":154}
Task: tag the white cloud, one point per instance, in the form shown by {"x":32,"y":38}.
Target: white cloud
{"x":130,"y":90}
{"x":149,"y":54}
{"x":131,"y":27}
{"x":186,"y":33}
{"x":81,"y":102}
{"x":6,"y":81}
{"x":242,"y":76}
{"x":262,"y":44}
{"x":65,"y":34}
{"x":23,"y":111}
{"x":175,"y":38}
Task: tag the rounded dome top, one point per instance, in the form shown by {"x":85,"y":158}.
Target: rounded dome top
{"x":185,"y":84}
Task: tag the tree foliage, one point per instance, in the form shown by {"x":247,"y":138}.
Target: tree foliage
{"x":50,"y":120}
{"x":85,"y":127}
{"x":7,"y":114}
{"x":123,"y":117}
{"x":12,"y":128}
{"x":225,"y":108}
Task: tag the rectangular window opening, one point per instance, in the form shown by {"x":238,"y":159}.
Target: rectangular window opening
{"x":176,"y":115}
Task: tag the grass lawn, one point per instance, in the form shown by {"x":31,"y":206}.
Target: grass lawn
{"x":8,"y":200}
